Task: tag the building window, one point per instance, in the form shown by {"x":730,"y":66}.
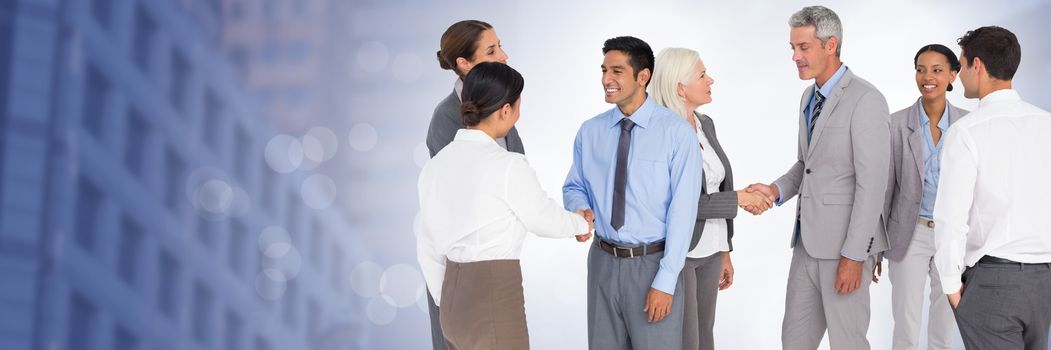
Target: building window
{"x":96,"y":97}
{"x":124,"y":340}
{"x":145,"y":30}
{"x":129,"y":247}
{"x":180,"y":82}
{"x":237,"y":246}
{"x":268,"y":189}
{"x":268,"y":52}
{"x":169,"y":282}
{"x":337,"y":268}
{"x":291,"y":307}
{"x":213,"y":121}
{"x":82,"y":323}
{"x":292,"y":217}
{"x":176,"y":176}
{"x":261,"y":343}
{"x":234,"y":329}
{"x":296,"y":51}
{"x":317,"y":235}
{"x":102,"y":10}
{"x":244,"y":154}
{"x":89,"y":208}
{"x":138,"y":132}
{"x":313,"y":320}
{"x":202,"y":313}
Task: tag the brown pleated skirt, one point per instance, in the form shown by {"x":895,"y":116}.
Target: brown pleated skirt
{"x":482,"y":306}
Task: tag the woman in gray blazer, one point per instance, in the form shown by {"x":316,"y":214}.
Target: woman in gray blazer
{"x":915,"y":133}
{"x":464,"y":45}
{"x":682,"y":84}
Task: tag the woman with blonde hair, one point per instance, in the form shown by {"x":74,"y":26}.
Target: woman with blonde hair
{"x":682,"y":83}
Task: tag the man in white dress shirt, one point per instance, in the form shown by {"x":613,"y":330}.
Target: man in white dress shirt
{"x":993,"y":236}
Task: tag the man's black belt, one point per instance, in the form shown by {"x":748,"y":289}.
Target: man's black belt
{"x":630,"y":252}
{"x":988,"y":259}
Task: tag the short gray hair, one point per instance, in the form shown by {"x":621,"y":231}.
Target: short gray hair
{"x":825,"y":22}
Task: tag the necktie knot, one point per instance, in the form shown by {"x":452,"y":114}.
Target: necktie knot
{"x":626,"y":124}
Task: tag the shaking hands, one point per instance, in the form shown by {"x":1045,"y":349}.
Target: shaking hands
{"x":588,"y":216}
{"x":757,"y":198}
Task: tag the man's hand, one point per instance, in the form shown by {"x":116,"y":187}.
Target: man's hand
{"x":754,"y":202}
{"x":658,"y":305}
{"x":589,"y":216}
{"x":726,"y":278}
{"x":954,"y":298}
{"x":848,"y":276}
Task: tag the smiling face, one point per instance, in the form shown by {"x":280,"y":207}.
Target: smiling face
{"x":618,"y":79}
{"x":813,"y":60}
{"x":933,"y":75}
{"x":697,"y":90}
{"x":488,"y":49}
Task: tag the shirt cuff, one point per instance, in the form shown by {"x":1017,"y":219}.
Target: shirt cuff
{"x":779,"y":200}
{"x":951,"y":284}
{"x":852,"y":258}
{"x":665,"y":281}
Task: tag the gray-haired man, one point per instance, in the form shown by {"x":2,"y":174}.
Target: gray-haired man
{"x":840,"y":176}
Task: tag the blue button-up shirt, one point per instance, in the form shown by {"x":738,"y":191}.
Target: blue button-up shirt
{"x":932,"y":160}
{"x":664,"y":182}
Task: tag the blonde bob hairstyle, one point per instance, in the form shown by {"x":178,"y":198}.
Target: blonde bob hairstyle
{"x":674,"y":66}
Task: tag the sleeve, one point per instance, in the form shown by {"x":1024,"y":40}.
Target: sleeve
{"x":575,"y":189}
{"x":540,"y":214}
{"x":956,"y":185}
{"x":432,"y":262}
{"x":718,"y":205}
{"x":869,"y":134}
{"x":685,"y":170}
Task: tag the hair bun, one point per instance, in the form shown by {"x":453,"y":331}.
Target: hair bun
{"x":470,"y":113}
{"x":442,"y":62}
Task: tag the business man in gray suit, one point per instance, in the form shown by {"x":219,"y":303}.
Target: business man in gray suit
{"x":840,"y":177}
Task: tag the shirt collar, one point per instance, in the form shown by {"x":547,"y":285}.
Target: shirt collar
{"x":925,"y":121}
{"x":474,"y":135}
{"x":831,"y":83}
{"x":458,"y":87}
{"x":641,"y":117}
{"x":1004,"y":95}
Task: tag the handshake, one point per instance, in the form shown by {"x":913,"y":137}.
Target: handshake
{"x":589,"y":216}
{"x":757,"y":198}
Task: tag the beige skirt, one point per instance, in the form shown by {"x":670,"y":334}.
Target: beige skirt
{"x":482,"y":306}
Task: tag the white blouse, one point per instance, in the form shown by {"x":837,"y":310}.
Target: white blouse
{"x":714,"y":237}
{"x":477,"y":201}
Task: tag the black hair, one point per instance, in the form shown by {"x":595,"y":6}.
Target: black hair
{"x":640,"y":56}
{"x":954,"y":63}
{"x":997,"y":47}
{"x":460,"y":40}
{"x":488,"y":87}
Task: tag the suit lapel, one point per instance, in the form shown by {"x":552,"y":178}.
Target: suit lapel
{"x":709,"y":131}
{"x":829,"y":108}
{"x":916,"y":139}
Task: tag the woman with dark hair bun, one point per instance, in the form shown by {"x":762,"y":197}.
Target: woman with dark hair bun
{"x":477,"y":201}
{"x":913,"y":185}
{"x":464,"y":45}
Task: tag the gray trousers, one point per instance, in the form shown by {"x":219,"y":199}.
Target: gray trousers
{"x":908,"y":278}
{"x":1005,"y":307}
{"x":617,"y":290}
{"x":813,"y":305}
{"x":437,"y":338}
{"x":701,"y":284}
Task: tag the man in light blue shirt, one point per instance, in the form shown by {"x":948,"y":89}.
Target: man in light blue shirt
{"x":638,"y":167}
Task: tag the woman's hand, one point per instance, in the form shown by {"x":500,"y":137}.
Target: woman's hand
{"x":726,"y":277}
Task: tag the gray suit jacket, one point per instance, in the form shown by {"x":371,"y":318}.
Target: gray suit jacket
{"x":446,"y":120}
{"x":907,"y":170}
{"x":841,"y":174}
{"x":721,"y":204}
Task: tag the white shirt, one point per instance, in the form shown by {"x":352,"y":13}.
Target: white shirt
{"x":992,"y":194}
{"x":477,"y":201}
{"x":713,"y":236}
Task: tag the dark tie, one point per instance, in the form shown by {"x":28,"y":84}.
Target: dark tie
{"x":816,"y":113}
{"x":620,"y":178}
